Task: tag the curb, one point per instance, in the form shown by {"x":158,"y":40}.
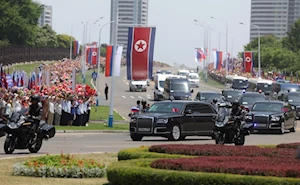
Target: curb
{"x":92,"y":131}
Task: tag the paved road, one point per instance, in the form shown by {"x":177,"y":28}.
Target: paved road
{"x":113,"y":142}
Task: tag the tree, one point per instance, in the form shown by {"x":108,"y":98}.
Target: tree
{"x":46,"y":37}
{"x":64,"y":40}
{"x":103,"y":50}
{"x":292,"y":40}
{"x":18,"y":23}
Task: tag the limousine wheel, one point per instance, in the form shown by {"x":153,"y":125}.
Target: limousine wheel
{"x":136,"y":137}
{"x":175,"y":134}
{"x":294,"y":126}
{"x":282,"y":130}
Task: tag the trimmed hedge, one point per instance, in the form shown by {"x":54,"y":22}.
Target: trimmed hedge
{"x":143,"y":153}
{"x":289,"y":145}
{"x":263,"y":166}
{"x":137,"y":172}
{"x":223,"y":150}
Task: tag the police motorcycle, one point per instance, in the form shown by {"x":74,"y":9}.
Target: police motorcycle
{"x":230,"y":129}
{"x":24,"y":132}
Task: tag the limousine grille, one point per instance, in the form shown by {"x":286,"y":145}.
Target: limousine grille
{"x":261,"y":119}
{"x":144,"y":125}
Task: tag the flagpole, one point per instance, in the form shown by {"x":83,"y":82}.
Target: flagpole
{"x":111,"y":107}
{"x":71,"y":40}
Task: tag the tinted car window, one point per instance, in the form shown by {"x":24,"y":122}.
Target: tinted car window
{"x":210,"y":96}
{"x":251,"y":99}
{"x":267,"y":107}
{"x":167,"y":107}
{"x":180,"y":87}
{"x":201,"y":109}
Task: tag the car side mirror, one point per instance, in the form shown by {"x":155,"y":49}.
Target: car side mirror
{"x":192,"y":91}
{"x":188,"y":111}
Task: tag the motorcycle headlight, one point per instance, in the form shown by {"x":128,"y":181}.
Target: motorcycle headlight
{"x":275,"y":118}
{"x":249,"y":117}
{"x":12,"y":125}
{"x":164,"y":121}
{"x":220,"y":124}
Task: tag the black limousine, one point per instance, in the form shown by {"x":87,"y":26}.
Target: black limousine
{"x":174,"y":120}
{"x":272,"y":116}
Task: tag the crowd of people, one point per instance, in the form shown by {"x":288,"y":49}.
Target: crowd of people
{"x":61,"y":103}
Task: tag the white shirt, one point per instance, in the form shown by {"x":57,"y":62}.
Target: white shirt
{"x":68,"y":107}
{"x":58,"y":108}
{"x":51,"y":107}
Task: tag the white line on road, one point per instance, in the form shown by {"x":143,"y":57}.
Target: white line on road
{"x":123,"y":96}
{"x":148,"y":95}
{"x":140,"y":97}
{"x":131,"y":96}
{"x":127,"y":83}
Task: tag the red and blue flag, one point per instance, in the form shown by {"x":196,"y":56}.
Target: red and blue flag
{"x":76,"y":47}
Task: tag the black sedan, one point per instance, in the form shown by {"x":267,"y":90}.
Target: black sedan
{"x":272,"y":116}
{"x":231,"y":95}
{"x":207,"y":96}
{"x":249,"y":98}
{"x":293,"y":98}
{"x":174,"y":120}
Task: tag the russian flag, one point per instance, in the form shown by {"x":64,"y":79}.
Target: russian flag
{"x":76,"y":47}
{"x":140,"y":52}
{"x":135,"y":109}
{"x":109,"y":60}
{"x":199,"y":55}
{"x":110,"y":51}
{"x":219,"y":59}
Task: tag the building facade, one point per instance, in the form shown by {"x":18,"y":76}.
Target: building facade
{"x":46,"y":17}
{"x":273,"y":16}
{"x":129,"y":12}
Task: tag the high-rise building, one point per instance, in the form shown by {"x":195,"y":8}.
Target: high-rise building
{"x":134,"y":12}
{"x":273,"y":16}
{"x":46,"y":17}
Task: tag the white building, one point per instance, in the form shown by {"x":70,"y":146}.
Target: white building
{"x":135,"y":11}
{"x":273,"y":16}
{"x":46,"y":17}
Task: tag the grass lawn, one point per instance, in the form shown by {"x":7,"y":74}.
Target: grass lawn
{"x":6,"y":176}
{"x":26,"y":67}
{"x":95,"y":126}
{"x":88,"y":76}
{"x":102,"y":113}
{"x":211,"y":82}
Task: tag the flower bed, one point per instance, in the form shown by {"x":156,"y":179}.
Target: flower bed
{"x":289,"y":145}
{"x":223,"y":150}
{"x":62,"y":166}
{"x":263,"y":166}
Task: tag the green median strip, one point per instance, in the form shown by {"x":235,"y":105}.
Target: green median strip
{"x":95,"y":127}
{"x":211,"y":81}
{"x":102,"y":112}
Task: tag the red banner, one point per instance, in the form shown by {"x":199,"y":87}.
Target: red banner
{"x":248,"y":61}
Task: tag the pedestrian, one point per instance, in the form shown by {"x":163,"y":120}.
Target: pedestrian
{"x":106,"y":92}
{"x":94,"y":76}
{"x":197,"y":69}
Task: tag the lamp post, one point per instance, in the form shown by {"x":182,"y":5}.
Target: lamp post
{"x":204,"y":35}
{"x":259,"y":64}
{"x":205,"y":45}
{"x":226,"y":44}
{"x":99,"y":60}
{"x":219,"y":37}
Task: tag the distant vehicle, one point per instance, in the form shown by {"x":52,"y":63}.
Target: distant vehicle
{"x":208,"y":97}
{"x":249,"y":98}
{"x":293,"y":98}
{"x":231,"y":95}
{"x":174,"y":120}
{"x":138,"y":85}
{"x":258,"y":84}
{"x":183,"y":72}
{"x":279,"y":89}
{"x":272,"y":116}
{"x":194,"y":79}
{"x":177,"y":89}
{"x":237,"y":82}
{"x":159,"y":81}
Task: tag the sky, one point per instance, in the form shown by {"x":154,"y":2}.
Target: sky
{"x":176,"y":32}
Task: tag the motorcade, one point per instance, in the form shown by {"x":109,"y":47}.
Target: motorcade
{"x":275,"y":116}
{"x":237,"y":82}
{"x":177,"y":89}
{"x":279,"y":89}
{"x":174,"y":120}
{"x":258,"y":84}
{"x":194,"y":79}
{"x":140,"y":85}
{"x":231,"y":95}
{"x":208,"y":96}
{"x":159,"y":81}
{"x":183,"y":72}
{"x":293,"y":98}
{"x":230,"y":129}
{"x":24,"y":132}
{"x":249,"y":98}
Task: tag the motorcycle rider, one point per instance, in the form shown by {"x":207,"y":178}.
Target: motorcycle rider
{"x":35,"y":111}
{"x":215,"y":103}
{"x":236,"y":109}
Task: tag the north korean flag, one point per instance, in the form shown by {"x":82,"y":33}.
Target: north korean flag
{"x":140,"y":51}
{"x":94,"y":56}
{"x":248,"y":62}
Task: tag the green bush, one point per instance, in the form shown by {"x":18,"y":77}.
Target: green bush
{"x":137,"y":172}
{"x":143,"y":153}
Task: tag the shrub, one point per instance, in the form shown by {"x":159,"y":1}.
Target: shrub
{"x":223,"y":150}
{"x":64,"y":166}
{"x":289,"y":145}
{"x":263,"y":166}
{"x":137,"y":172}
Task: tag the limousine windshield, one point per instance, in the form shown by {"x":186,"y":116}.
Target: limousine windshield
{"x":264,"y":87}
{"x":239,"y":84}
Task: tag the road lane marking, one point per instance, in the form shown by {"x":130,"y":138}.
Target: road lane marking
{"x":131,"y":96}
{"x":127,"y":83}
{"x":140,"y":97}
{"x":148,"y":95}
{"x":123,"y":96}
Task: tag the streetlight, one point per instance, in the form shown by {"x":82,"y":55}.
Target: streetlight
{"x":259,"y":64}
{"x":219,"y":37}
{"x":99,"y":56}
{"x":71,"y":40}
{"x":204,"y":38}
{"x":205,"y":45}
{"x":226,"y":44}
